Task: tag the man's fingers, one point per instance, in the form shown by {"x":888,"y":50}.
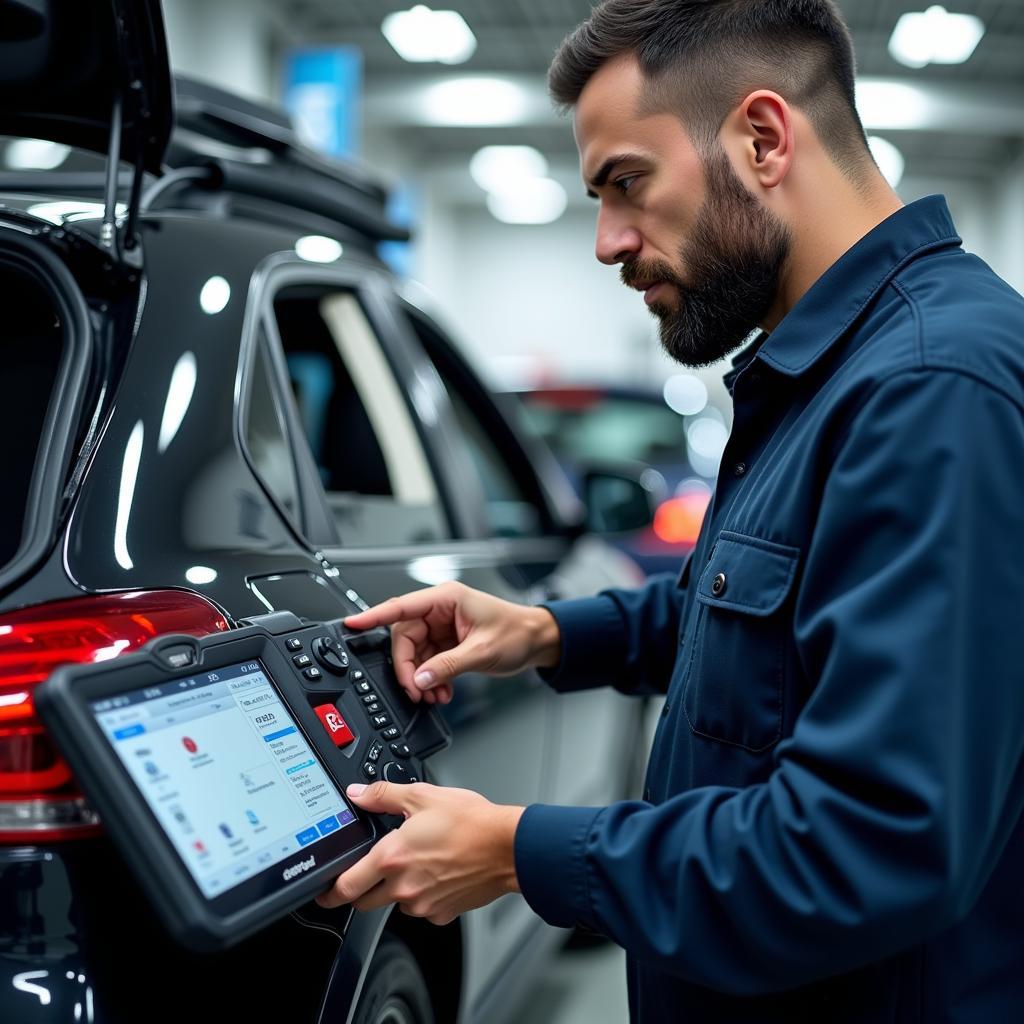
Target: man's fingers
{"x":406,"y":642}
{"x":354,"y":883}
{"x":384,"y":797}
{"x":396,"y":609}
{"x":440,"y":694}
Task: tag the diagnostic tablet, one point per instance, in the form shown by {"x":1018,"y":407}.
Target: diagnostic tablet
{"x":219,"y":765}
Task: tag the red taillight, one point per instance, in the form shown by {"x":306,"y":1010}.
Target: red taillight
{"x":678,"y":520}
{"x":38,"y":797}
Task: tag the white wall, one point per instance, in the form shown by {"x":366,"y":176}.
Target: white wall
{"x":1008,"y":226}
{"x":225,"y":42}
{"x":532,"y":301}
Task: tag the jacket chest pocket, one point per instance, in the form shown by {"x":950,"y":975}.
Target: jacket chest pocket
{"x":734,"y":683}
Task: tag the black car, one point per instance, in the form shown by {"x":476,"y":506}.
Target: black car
{"x":218,"y":403}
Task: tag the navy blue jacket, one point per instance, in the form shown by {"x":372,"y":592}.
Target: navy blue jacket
{"x":832,"y":824}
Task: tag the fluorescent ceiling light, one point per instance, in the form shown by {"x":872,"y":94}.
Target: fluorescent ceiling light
{"x":35,"y":155}
{"x":891,"y":105}
{"x":496,"y":168}
{"x":422,"y":35}
{"x":473,"y":101}
{"x":532,"y":201}
{"x":935,"y":36}
{"x":889,"y":159}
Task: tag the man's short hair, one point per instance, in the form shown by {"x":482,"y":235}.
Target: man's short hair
{"x":701,"y":57}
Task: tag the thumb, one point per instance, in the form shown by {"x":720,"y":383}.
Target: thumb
{"x":443,"y":668}
{"x":381,"y":798}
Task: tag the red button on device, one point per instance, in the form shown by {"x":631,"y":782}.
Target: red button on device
{"x":335,"y":724}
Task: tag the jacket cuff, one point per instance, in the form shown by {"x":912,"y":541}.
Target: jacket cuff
{"x":593,"y":642}
{"x":551,"y":867}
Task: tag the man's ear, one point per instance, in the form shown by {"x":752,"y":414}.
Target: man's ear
{"x":764,"y":123}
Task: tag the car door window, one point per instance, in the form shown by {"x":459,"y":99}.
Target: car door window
{"x":514,"y":505}
{"x":266,"y":440}
{"x":361,"y":432}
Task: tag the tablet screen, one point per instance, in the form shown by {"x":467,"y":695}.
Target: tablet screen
{"x":226,"y":770}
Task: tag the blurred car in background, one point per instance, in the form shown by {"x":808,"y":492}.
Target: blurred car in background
{"x":654,"y":436}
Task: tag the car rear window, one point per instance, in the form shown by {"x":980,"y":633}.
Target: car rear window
{"x":32,"y":341}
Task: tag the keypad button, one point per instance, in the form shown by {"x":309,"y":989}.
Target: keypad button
{"x":381,"y":720}
{"x":401,"y":750}
{"x":293,"y":643}
{"x":391,"y":733}
{"x":335,"y":725}
{"x":398,"y":774}
{"x":369,"y":698}
{"x":302,"y":660}
{"x":374,"y":707}
{"x":363,"y":687}
{"x":370,"y":770}
{"x":357,"y":675}
{"x":313,"y":674}
{"x":331,"y":655}
{"x":376,"y":749}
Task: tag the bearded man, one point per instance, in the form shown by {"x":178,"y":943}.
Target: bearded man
{"x":831,"y":827}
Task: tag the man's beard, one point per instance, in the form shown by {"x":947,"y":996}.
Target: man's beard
{"x":733,"y":260}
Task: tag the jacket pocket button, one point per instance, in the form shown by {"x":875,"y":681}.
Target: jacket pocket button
{"x":718,"y":585}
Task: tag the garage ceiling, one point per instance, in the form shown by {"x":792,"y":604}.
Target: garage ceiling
{"x":520,"y":36}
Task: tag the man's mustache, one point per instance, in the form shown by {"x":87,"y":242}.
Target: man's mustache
{"x":640,"y":271}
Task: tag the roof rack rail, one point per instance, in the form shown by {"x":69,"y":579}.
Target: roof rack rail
{"x":253,"y":150}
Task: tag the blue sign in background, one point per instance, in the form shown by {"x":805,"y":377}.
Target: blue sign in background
{"x":323,"y":93}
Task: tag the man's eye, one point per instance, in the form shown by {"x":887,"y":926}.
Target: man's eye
{"x":624,"y":183}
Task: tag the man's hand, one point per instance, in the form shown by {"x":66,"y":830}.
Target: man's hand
{"x":453,"y":853}
{"x":443,"y":631}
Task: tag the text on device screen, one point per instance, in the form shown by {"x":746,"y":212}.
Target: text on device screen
{"x":226,"y":770}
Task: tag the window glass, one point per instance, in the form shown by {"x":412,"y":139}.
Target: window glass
{"x":362,"y":435}
{"x":580,"y":426}
{"x":511,"y":511}
{"x":265,"y":436}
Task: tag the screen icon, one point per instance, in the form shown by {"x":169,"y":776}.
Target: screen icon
{"x":190,"y":744}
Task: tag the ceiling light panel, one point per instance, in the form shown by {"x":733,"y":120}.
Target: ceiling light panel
{"x":422,"y":35}
{"x":935,"y":36}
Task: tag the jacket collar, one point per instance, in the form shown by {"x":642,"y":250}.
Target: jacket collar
{"x":827,"y":310}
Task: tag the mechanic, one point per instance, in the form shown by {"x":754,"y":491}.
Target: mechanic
{"x":831,"y":829}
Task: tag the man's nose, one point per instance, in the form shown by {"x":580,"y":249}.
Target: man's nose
{"x":616,"y":242}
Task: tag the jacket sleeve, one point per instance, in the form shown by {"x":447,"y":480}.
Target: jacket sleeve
{"x":621,"y":638}
{"x":889,"y":805}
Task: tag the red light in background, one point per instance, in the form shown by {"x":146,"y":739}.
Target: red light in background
{"x":678,"y":520}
